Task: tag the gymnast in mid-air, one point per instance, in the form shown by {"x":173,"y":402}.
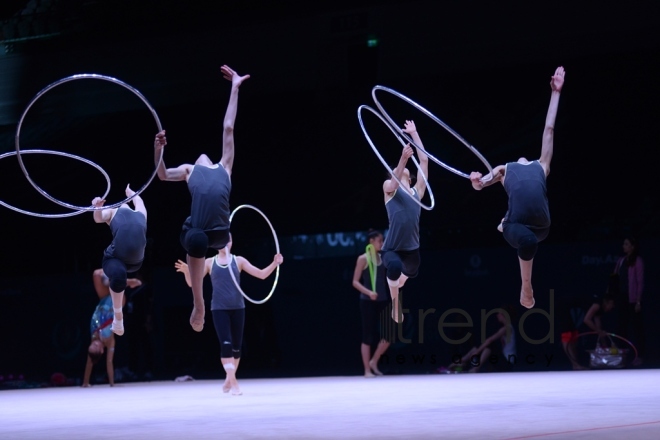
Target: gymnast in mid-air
{"x":400,"y":251}
{"x":209,"y":183}
{"x":527,"y":221}
{"x":126,"y":252}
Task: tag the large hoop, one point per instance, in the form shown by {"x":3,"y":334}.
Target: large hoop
{"x":387,"y":167}
{"x":277,"y":251}
{"x":65,"y":80}
{"x":57,"y":153}
{"x":434,"y":118}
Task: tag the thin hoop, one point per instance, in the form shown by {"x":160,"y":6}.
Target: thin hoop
{"x":277,"y":251}
{"x":434,"y":118}
{"x":387,"y":167}
{"x":372,"y":263}
{"x":57,"y":153}
{"x":62,"y":81}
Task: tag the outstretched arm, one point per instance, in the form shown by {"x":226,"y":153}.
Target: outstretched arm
{"x":492,"y":338}
{"x":556,"y":84}
{"x":360,"y":265}
{"x":109,"y":357}
{"x":227,"y":160}
{"x":138,"y":203}
{"x":390,"y":185}
{"x":88,"y":372}
{"x":479,"y":182}
{"x":420,"y":184}
{"x":244,"y":264}
{"x":102,"y":215}
{"x":182,"y":267}
{"x":172,"y":174}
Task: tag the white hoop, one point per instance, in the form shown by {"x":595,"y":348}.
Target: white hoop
{"x":57,"y":153}
{"x":62,"y":81}
{"x":277,"y":251}
{"x":435,"y":119}
{"x":387,"y":167}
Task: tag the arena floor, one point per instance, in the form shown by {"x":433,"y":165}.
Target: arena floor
{"x":548,"y":405}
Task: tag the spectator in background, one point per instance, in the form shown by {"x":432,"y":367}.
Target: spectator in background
{"x":370,"y":279}
{"x":630,"y":272}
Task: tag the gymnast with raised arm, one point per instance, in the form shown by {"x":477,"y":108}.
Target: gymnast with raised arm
{"x":527,"y":221}
{"x":400,"y":252}
{"x":126,"y":252}
{"x":209,"y":183}
{"x":227,"y":304}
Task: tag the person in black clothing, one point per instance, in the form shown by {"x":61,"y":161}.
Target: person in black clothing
{"x":527,"y":221}
{"x":126,"y":252}
{"x":370,"y":280}
{"x":210,"y":185}
{"x":400,"y":252}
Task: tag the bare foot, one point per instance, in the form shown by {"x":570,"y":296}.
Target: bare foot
{"x":527,"y":300}
{"x":374,"y":368}
{"x":226,"y":387}
{"x":368,"y":373}
{"x":235,"y":389}
{"x":197,"y":319}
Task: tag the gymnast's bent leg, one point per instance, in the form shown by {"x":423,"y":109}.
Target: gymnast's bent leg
{"x":525,"y":241}
{"x":115,"y":270}
{"x":394,"y":266}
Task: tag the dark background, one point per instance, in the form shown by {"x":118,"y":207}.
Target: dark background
{"x":301,"y":157}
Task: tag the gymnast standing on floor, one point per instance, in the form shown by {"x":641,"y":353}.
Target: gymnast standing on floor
{"x":370,"y":280}
{"x":227,"y":304}
{"x":527,"y":221}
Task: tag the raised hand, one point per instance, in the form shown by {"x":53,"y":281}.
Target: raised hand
{"x":180,"y":266}
{"x":229,"y":74}
{"x":97,"y":202}
{"x":475,"y":177}
{"x":160,"y":140}
{"x":407,"y":152}
{"x":278,"y":259}
{"x":129,"y":191}
{"x":557,"y":80}
{"x":409,"y":127}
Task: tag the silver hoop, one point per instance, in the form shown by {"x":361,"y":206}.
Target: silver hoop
{"x":434,"y":118}
{"x":57,"y":153}
{"x":277,"y":251}
{"x":62,"y":81}
{"x":387,"y":167}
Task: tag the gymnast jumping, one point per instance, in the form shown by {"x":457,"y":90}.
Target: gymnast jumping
{"x":126,"y":252}
{"x":227,"y":304}
{"x":527,"y":221}
{"x":210,"y":185}
{"x":401,"y":248}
